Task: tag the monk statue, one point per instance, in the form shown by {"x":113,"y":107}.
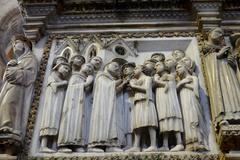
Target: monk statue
{"x":17,"y":90}
{"x":104,"y":124}
{"x":53,"y":104}
{"x":223,"y":84}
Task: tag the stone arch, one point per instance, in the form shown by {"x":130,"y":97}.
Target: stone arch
{"x":92,"y":50}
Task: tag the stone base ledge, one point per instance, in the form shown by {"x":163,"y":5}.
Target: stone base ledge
{"x":129,"y":156}
{"x":229,"y":138}
{"x":7,"y":157}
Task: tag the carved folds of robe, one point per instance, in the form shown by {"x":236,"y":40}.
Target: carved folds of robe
{"x":71,"y":130}
{"x":52,"y":108}
{"x":195,"y":130}
{"x":104,"y":126}
{"x":224,"y":87}
{"x":16,"y":96}
{"x":144,"y":113}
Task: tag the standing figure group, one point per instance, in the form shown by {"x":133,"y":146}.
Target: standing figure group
{"x":132,"y":107}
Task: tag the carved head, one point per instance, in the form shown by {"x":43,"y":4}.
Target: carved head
{"x":77,"y":60}
{"x":138,"y":70}
{"x":97,"y":62}
{"x":63,"y":69}
{"x":235,"y":40}
{"x":113,"y":68}
{"x":170,"y":63}
{"x":178,"y":54}
{"x":158,"y":57}
{"x":148,"y":67}
{"x":216,"y":35}
{"x":181,"y":68}
{"x":21,"y":45}
{"x":128,"y":69}
{"x":190,"y":64}
{"x":87,"y":68}
{"x":59,"y":59}
{"x":160,"y":67}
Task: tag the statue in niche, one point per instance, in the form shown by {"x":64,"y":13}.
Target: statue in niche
{"x":178,"y":54}
{"x":158,"y":57}
{"x":195,"y":130}
{"x":235,"y":58}
{"x":223,"y":84}
{"x":52,"y":108}
{"x":169,"y":111}
{"x":71,"y":135}
{"x":144,"y":114}
{"x":128,"y":73}
{"x":19,"y":78}
{"x":104,"y":125}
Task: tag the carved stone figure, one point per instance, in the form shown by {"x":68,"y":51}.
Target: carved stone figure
{"x":235,"y":58}
{"x":128,"y":73}
{"x":19,"y":77}
{"x":97,"y":63}
{"x":144,"y":114}
{"x":195,"y":130}
{"x":178,"y":54}
{"x":52,"y":108}
{"x":169,"y":111}
{"x":149,"y":67}
{"x":224,"y":87}
{"x":71,"y":132}
{"x":158,"y":57}
{"x":104,"y":124}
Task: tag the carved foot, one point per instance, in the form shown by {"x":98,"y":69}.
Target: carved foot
{"x":46,"y":150}
{"x":65,"y":150}
{"x":80,"y":150}
{"x":6,"y":129}
{"x":201,"y":148}
{"x":163,"y":148}
{"x":113,"y":149}
{"x":177,"y":148}
{"x":151,"y":149}
{"x":224,"y":123}
{"x":95,"y":150}
{"x":127,"y":147}
{"x":133,"y":149}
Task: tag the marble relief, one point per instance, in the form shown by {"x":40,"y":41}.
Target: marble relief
{"x":121,"y":104}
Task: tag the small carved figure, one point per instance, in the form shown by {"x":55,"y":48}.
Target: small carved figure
{"x":71,"y":132}
{"x":235,"y":58}
{"x":15,"y":96}
{"x":104,"y":124}
{"x":144,"y":114}
{"x":97,"y":63}
{"x":178,"y":54}
{"x":223,"y":84}
{"x":128,"y":73}
{"x":169,"y":111}
{"x":53,"y":103}
{"x":194,"y":123}
{"x":158,"y":57}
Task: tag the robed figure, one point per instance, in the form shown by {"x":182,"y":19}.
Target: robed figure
{"x":17,"y":90}
{"x":104,"y":125}
{"x":224,"y":87}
